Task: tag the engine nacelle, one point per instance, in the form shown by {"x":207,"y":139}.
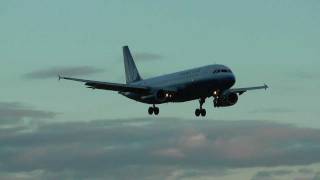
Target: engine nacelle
{"x":162,"y":95}
{"x":229,"y":99}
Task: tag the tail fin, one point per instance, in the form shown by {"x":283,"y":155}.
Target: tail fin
{"x":131,"y":70}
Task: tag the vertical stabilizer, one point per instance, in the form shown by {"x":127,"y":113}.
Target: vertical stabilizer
{"x":131,"y":70}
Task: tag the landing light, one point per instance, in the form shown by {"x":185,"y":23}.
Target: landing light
{"x":168,"y":95}
{"x":215,"y":93}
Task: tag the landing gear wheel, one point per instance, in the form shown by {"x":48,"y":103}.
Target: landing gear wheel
{"x":153,"y":110}
{"x":156,"y":110}
{"x":150,"y":110}
{"x":197,"y":112}
{"x":203,"y":112}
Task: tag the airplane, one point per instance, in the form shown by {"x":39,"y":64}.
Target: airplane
{"x":194,"y":84}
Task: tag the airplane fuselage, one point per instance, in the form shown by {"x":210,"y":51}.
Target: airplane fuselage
{"x":189,"y":84}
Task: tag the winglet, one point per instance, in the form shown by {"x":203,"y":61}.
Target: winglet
{"x":60,"y":77}
{"x":266,"y":86}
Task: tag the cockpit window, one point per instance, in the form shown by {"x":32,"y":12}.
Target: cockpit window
{"x":221,"y":70}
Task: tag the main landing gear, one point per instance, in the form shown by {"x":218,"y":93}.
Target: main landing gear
{"x":153,"y":110}
{"x":201,"y":111}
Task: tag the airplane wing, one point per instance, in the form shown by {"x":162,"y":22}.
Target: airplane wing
{"x":111,"y":86}
{"x":243,"y":90}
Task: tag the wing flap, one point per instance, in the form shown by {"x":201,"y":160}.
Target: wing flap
{"x":117,"y":87}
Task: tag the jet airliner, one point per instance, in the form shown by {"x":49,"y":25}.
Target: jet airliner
{"x":194,"y":84}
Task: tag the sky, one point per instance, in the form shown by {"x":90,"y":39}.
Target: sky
{"x":52,"y":129}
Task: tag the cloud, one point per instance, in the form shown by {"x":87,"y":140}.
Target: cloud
{"x":286,"y":174}
{"x":13,"y":112}
{"x":154,"y":149}
{"x":305,"y":171}
{"x":271,"y":174}
{"x":53,"y":72}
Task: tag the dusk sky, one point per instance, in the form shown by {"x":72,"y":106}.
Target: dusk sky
{"x":52,"y":129}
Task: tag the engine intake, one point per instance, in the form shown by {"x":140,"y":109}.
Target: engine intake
{"x":229,"y":99}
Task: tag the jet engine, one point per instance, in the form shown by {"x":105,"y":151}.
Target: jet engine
{"x":228,"y":99}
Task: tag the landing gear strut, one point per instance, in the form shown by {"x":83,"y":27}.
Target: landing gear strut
{"x":153,"y":110}
{"x":201,"y":111}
